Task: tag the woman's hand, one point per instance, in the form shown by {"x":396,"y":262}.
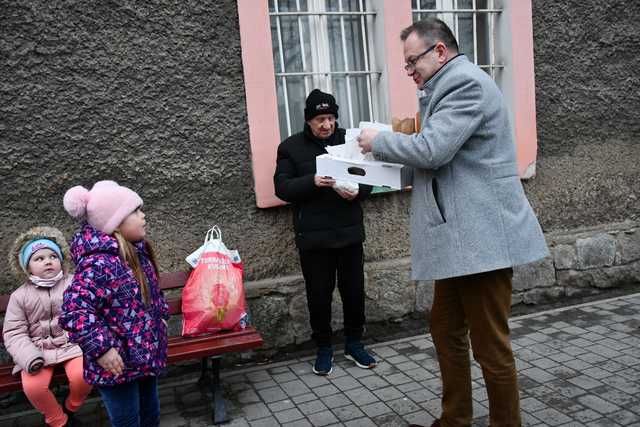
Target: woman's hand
{"x":112,"y":362}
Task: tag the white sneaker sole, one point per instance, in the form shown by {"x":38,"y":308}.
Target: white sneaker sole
{"x":350,"y":357}
{"x":323,"y":374}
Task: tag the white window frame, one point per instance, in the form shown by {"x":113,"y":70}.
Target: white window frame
{"x":318,"y":75}
{"x":449,"y":12}
{"x":517,"y":79}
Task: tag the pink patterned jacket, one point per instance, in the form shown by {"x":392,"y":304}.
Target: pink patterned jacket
{"x":103,"y":308}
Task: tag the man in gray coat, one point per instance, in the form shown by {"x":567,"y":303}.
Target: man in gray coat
{"x":470,"y":219}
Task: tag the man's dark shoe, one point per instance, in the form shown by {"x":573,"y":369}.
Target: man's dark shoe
{"x":354,"y":350}
{"x":324,"y":361}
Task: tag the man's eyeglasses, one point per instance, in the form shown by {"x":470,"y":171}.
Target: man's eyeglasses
{"x":411,"y":64}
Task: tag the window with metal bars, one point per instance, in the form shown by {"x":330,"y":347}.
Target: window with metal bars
{"x":474,"y":24}
{"x":323,"y":44}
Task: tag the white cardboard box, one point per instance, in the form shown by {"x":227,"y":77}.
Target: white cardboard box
{"x":360,"y":171}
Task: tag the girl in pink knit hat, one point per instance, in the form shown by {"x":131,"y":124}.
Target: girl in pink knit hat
{"x":114,"y":308}
{"x":31,"y":331}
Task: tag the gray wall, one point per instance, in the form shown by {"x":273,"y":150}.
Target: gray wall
{"x":587,"y":67}
{"x":153,"y":97}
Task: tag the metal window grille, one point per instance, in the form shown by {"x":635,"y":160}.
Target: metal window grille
{"x":474,"y":24}
{"x":323,"y":44}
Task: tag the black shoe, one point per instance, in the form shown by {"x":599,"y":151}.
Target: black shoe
{"x":72,"y":421}
{"x":324,"y":361}
{"x":354,"y":350}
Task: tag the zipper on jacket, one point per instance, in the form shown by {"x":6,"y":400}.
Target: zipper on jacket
{"x":299,"y":233}
{"x":50,"y":313}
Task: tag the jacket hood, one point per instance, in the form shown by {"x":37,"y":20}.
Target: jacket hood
{"x":40,"y":232}
{"x":89,"y":240}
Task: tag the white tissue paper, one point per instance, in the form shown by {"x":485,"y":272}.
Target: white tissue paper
{"x":351,"y":151}
{"x":348,"y":186}
{"x":382,"y":127}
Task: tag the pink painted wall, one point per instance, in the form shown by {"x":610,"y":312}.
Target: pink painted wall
{"x":402,"y":91}
{"x":260,"y":88}
{"x":260,"y":91}
{"x":524,"y":96}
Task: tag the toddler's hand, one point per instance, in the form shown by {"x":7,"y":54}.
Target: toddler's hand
{"x":112,"y":362}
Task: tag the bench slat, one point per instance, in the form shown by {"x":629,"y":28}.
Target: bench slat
{"x":175,"y":306}
{"x":173,"y":280}
{"x":249,"y":330}
{"x":179,"y":349}
{"x":10,"y":382}
{"x":4,"y":301}
{"x":168,"y":281}
{"x":221,"y":345}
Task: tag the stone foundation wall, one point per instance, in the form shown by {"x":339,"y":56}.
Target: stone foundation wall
{"x":583,"y":262}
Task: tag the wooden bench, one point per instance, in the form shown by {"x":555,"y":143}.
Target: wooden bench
{"x":207,"y":348}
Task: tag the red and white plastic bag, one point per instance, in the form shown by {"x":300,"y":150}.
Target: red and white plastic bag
{"x":213,"y":297}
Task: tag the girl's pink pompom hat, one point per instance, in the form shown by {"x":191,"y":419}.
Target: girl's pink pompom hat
{"x":104,"y":207}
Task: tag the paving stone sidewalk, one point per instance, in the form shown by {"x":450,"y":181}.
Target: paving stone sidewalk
{"x":577,"y":366}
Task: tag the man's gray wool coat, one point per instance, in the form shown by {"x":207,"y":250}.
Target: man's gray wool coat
{"x":469,"y":213}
